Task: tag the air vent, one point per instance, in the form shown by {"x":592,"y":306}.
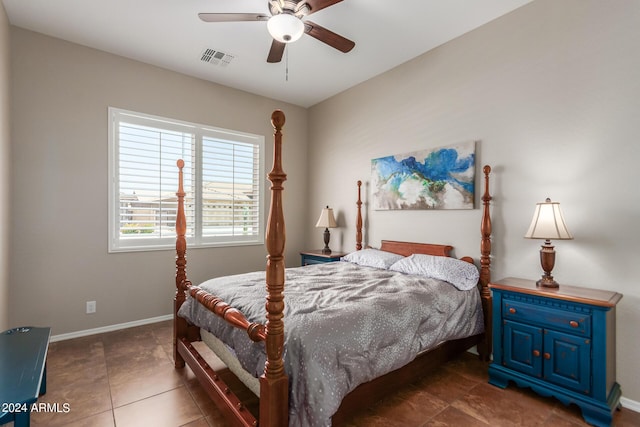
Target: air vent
{"x":216,"y":57}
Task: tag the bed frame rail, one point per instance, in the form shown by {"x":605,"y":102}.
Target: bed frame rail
{"x":219,"y":392}
{"x":233,"y":316}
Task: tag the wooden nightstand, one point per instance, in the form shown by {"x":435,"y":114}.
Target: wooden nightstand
{"x":560,"y":342}
{"x":317,"y":257}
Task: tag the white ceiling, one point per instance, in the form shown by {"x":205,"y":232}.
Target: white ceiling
{"x":169,"y":34}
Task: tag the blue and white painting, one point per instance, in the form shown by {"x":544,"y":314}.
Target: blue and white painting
{"x":440,"y":178}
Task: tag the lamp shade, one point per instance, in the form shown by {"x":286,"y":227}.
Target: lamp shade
{"x":548,"y":223}
{"x":327,"y":220}
{"x":285,"y":28}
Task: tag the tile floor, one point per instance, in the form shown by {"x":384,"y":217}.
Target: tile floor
{"x":126,"y":378}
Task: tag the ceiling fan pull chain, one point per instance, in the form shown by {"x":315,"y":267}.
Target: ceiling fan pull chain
{"x":286,"y":66}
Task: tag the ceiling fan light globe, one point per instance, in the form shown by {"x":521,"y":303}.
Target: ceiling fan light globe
{"x":285,"y":28}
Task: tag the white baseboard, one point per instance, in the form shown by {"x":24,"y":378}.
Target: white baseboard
{"x":630,"y":404}
{"x":87,"y":332}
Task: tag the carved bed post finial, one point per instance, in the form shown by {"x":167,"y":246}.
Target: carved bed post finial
{"x":180,"y":324}
{"x":484,"y":348}
{"x":274,"y":384}
{"x":359,"y":219}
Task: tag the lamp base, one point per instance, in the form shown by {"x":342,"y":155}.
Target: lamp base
{"x":547,"y":282}
{"x":327,"y":236}
{"x":547,"y":259}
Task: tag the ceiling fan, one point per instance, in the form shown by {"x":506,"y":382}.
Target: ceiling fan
{"x":286,"y":24}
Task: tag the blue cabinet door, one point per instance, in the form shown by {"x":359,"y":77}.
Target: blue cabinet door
{"x":523,"y":348}
{"x":567,"y":361}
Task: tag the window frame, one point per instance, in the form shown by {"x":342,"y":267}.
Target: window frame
{"x":195,"y":239}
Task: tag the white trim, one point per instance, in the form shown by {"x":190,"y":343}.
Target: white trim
{"x":632,"y":405}
{"x":110,"y":328}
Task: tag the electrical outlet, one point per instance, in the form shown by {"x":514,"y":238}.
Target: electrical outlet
{"x":91,"y":307}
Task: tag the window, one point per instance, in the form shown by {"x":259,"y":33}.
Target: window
{"x":223,"y":181}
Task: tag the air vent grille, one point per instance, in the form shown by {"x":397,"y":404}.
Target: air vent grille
{"x":216,"y":57}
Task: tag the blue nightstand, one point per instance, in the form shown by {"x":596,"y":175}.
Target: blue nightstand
{"x":560,"y":342}
{"x":317,"y":257}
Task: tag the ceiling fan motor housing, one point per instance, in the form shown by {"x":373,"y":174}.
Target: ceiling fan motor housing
{"x":298,"y":8}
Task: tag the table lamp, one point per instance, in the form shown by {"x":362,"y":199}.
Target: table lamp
{"x":548,"y":223}
{"x":327,"y":221}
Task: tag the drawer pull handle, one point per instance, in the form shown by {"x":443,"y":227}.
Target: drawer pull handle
{"x":574,"y":324}
{"x":512,"y":310}
{"x":547,"y":356}
{"x":536,"y":353}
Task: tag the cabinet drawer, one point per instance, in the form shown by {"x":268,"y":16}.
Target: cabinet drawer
{"x":561,"y":320}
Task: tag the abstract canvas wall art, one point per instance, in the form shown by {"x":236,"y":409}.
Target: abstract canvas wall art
{"x":438,"y":178}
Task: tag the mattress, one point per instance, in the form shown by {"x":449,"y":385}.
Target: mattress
{"x":223,"y":357}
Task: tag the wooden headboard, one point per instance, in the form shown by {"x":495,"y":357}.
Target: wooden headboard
{"x":409,"y":248}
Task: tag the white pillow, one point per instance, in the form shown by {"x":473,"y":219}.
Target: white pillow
{"x":461,"y":274}
{"x":372,"y":258}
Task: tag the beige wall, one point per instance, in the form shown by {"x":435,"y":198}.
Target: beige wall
{"x":551,"y":93}
{"x":4,"y":168}
{"x":59,"y":259}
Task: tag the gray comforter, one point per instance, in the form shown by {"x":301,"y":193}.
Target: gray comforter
{"x":344,"y":325}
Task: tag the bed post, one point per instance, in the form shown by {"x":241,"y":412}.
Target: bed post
{"x":180,"y":324}
{"x":484,"y":347}
{"x":274,"y":384}
{"x":359,"y":219}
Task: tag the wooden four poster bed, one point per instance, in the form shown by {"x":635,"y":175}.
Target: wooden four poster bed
{"x":274,"y":383}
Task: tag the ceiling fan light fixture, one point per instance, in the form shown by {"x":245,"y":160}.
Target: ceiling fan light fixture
{"x":285,"y":28}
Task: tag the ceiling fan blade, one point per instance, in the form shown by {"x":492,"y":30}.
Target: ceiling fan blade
{"x":317,"y":5}
{"x":232,"y":17}
{"x":329,"y":37}
{"x":276,"y":52}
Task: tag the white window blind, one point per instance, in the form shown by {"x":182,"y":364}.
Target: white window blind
{"x":223,"y":181}
{"x":230,"y":189}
